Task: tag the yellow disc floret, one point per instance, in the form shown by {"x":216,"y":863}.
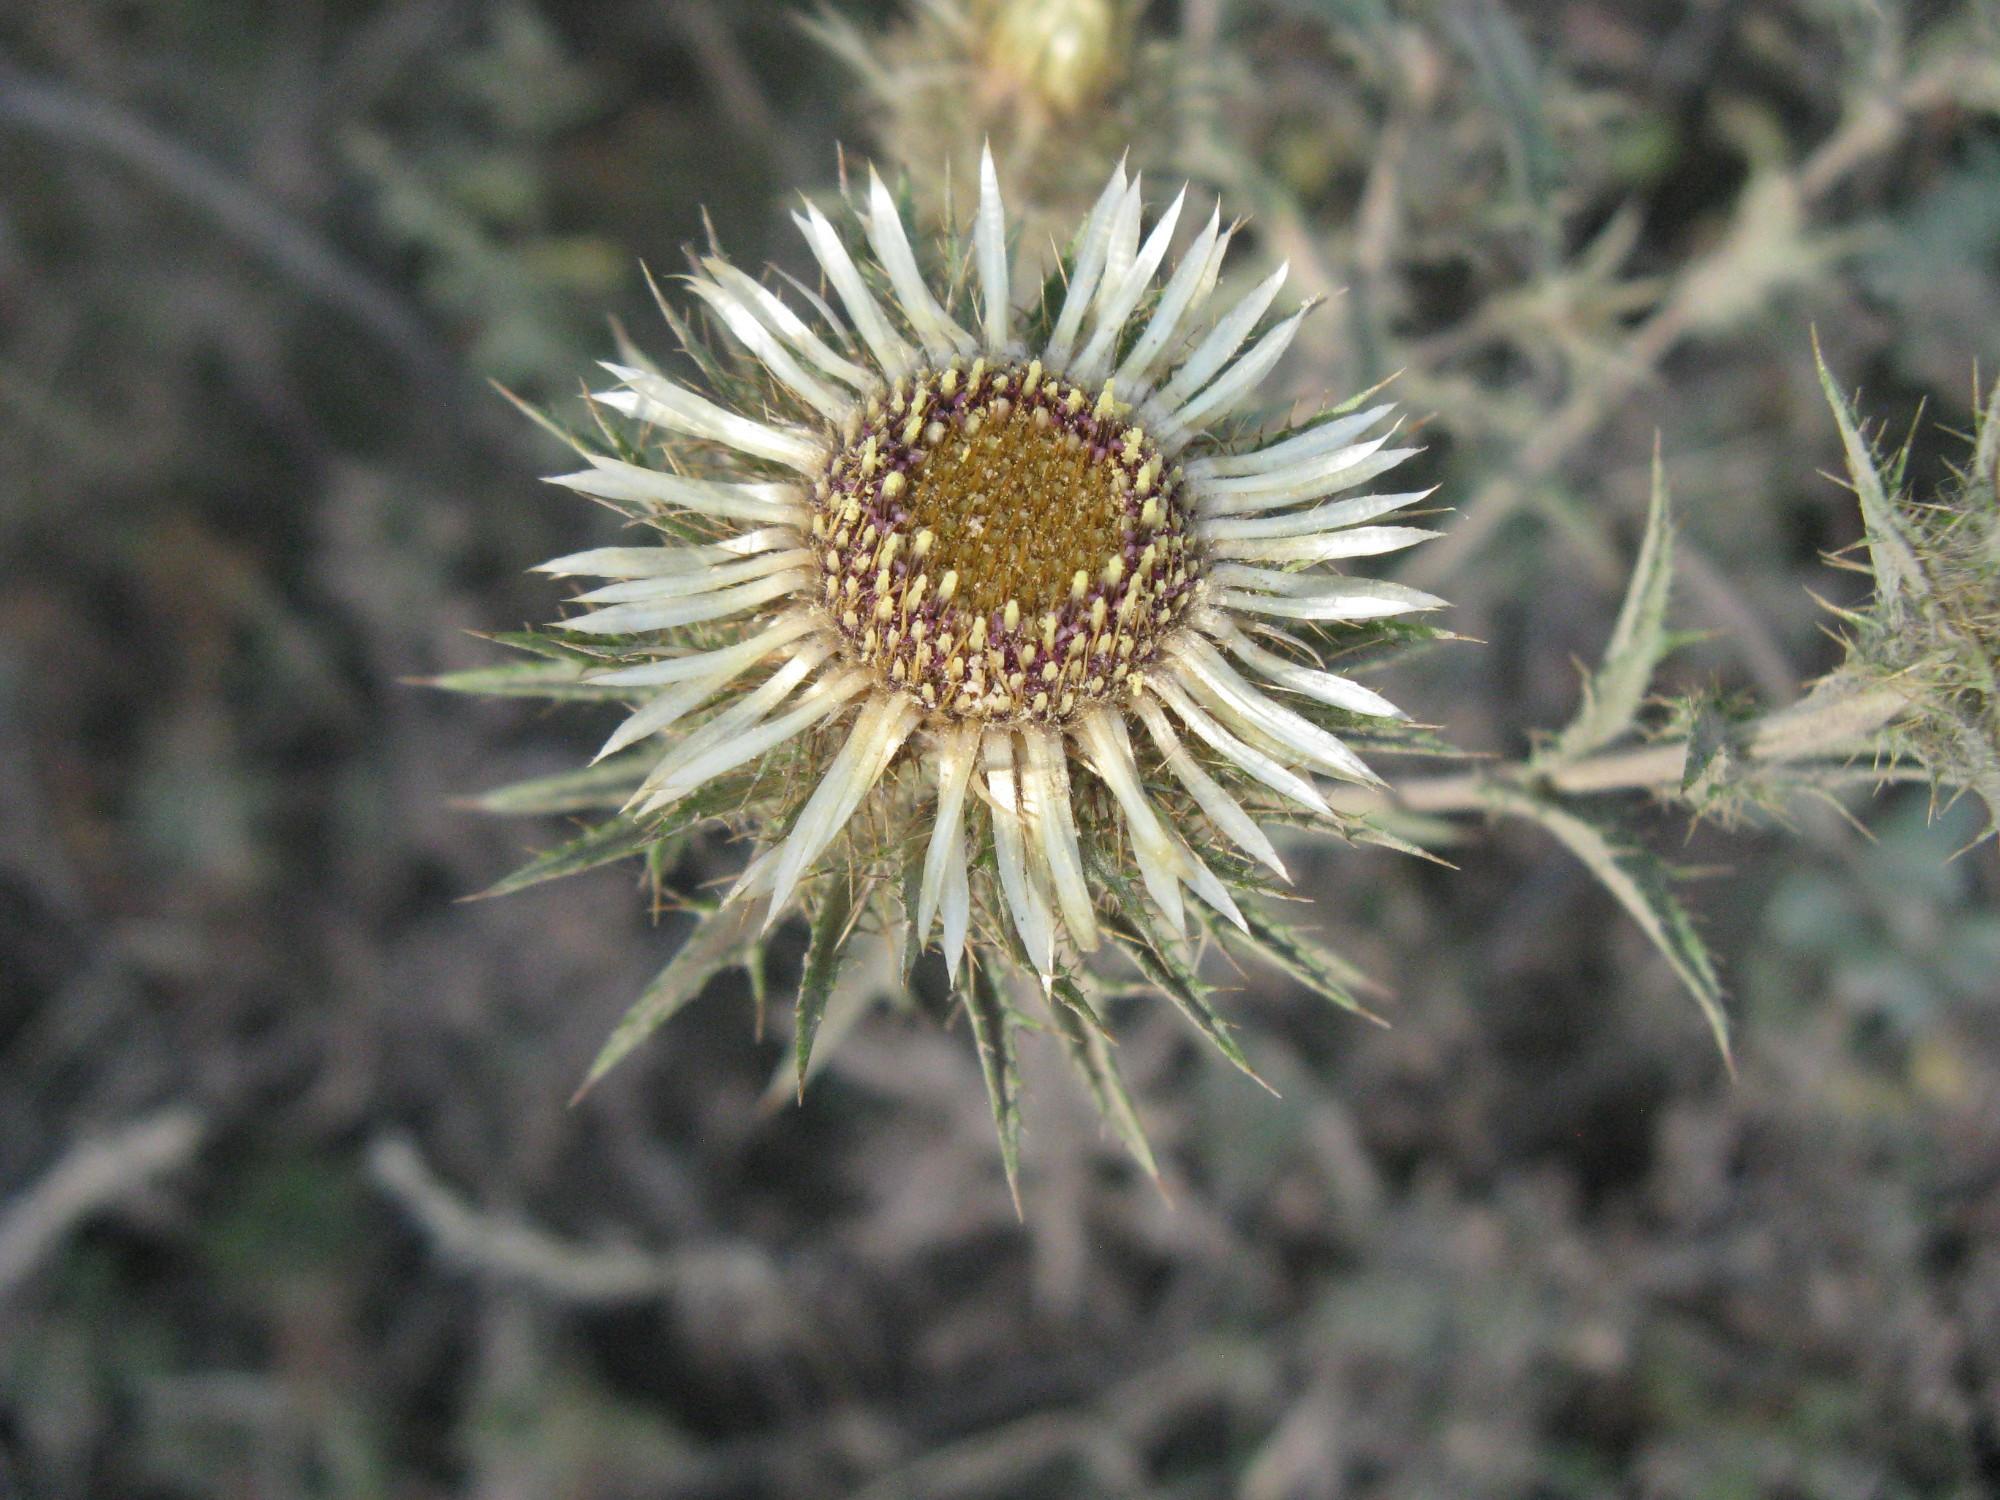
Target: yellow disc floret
{"x":999,"y":543}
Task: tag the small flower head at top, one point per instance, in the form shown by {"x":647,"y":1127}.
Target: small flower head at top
{"x":1065,"y":52}
{"x":986,"y":620}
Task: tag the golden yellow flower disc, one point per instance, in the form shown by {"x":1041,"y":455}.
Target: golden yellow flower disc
{"x":1000,"y":543}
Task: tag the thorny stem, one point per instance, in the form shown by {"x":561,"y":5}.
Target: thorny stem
{"x":1823,"y":728}
{"x":1870,"y":128}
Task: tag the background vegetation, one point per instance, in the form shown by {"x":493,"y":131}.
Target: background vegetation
{"x":292,"y":1199}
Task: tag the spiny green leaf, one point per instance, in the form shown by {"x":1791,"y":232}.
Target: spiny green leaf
{"x":546,"y":643}
{"x":1318,"y":969}
{"x":535,"y":679}
{"x":1641,"y":886}
{"x":1360,"y":398}
{"x":609,"y":841}
{"x":606,"y":784}
{"x":1374,"y":830}
{"x":1083,"y":1036}
{"x":993,"y":1033}
{"x":720,"y":939}
{"x":1160,"y":963}
{"x":1159,"y":959}
{"x":829,"y":934}
{"x":1611,"y":699}
{"x":1898,"y":574}
{"x":866,"y":975}
{"x":561,"y":431}
{"x":660,"y":841}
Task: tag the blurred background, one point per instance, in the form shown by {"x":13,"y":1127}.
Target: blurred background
{"x":293,"y":1201}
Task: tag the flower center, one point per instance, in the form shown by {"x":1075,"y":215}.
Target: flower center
{"x":999,"y":544}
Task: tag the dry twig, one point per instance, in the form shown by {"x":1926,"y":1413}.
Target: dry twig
{"x":581,"y":1275}
{"x":92,"y":1175}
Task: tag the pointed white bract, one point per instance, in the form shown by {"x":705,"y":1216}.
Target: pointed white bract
{"x":1246,"y":709}
{"x":944,"y":859}
{"x":654,"y":398}
{"x":707,"y":580}
{"x":1045,"y":800}
{"x":744,"y":714}
{"x":752,"y":333}
{"x":1109,"y":748}
{"x":1203,"y":882}
{"x":990,"y":240}
{"x":1309,"y":482}
{"x":884,"y":723}
{"x":768,"y":663}
{"x":1175,"y":303}
{"x":1362,"y":541}
{"x":1022,"y":877}
{"x":1122,"y":246}
{"x":890,"y":352}
{"x":690,"y":774}
{"x":790,"y":326}
{"x":659,"y":562}
{"x":629,"y":619}
{"x":1317,"y":521}
{"x":1223,"y":810}
{"x":1289,"y":596}
{"x":1254,"y":763}
{"x":1326,"y":687}
{"x":1324,"y":437}
{"x":941,"y":337}
{"x":1214,"y":351}
{"x":1092,"y":246}
{"x":1091,"y":365}
{"x":1222,"y":398}
{"x":613,"y":479}
{"x":699,"y":678}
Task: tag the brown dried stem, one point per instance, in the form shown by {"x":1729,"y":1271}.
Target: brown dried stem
{"x":1830,"y":727}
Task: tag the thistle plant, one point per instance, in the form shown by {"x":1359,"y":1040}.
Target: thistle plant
{"x":985,"y":617}
{"x":992,"y":615}
{"x":1913,"y":700}
{"x":1931,"y":635}
{"x":1058,"y":89}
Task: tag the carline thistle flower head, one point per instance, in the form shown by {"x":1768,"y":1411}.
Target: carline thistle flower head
{"x":982,"y":609}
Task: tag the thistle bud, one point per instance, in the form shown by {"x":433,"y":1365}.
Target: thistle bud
{"x":1065,"y":53}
